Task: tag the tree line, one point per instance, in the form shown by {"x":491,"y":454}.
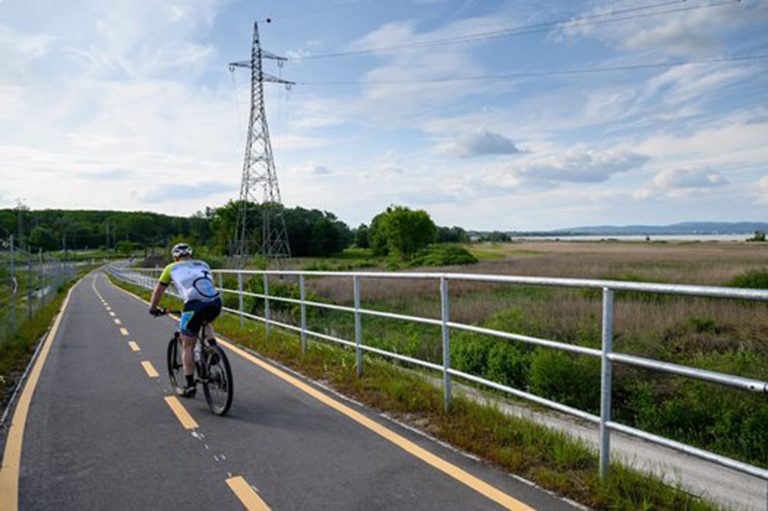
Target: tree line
{"x":397,"y":231}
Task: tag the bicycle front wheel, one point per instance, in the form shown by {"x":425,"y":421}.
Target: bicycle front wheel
{"x":175,"y":368}
{"x":218,"y":386}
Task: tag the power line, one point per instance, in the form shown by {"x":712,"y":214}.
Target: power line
{"x":310,"y":12}
{"x":556,"y":72}
{"x":527,"y":29}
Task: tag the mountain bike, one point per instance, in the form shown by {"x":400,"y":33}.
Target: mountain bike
{"x":211,"y":369}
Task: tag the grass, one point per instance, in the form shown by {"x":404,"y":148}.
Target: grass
{"x":18,"y":348}
{"x":705,"y":333}
{"x":549,"y":458}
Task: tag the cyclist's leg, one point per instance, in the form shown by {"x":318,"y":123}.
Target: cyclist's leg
{"x":189,"y":326}
{"x":188,"y":354}
{"x":212,"y":311}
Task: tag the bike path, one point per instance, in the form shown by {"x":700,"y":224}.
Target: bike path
{"x":99,"y":434}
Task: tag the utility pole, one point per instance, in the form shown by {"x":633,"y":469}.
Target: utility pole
{"x":259,"y":167}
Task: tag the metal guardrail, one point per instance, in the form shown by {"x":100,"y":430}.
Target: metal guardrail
{"x":606,"y":354}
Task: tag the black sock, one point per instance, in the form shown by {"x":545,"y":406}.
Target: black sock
{"x":190,"y":379}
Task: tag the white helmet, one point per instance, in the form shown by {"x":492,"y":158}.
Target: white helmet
{"x":181,"y":250}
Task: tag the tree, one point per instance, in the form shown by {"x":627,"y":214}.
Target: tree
{"x":496,"y":237}
{"x":403,"y":231}
{"x":361,"y":237}
{"x":377,"y":236}
{"x":452,"y":235}
{"x":43,"y":238}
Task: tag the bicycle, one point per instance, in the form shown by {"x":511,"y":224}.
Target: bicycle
{"x":212,"y":369}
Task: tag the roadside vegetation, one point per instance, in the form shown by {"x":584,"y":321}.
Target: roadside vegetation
{"x":720,"y":335}
{"x":17,"y":348}
{"x":551,"y":459}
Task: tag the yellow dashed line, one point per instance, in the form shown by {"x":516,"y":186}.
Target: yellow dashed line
{"x":150,"y":369}
{"x":124,"y":331}
{"x":117,"y":321}
{"x":246,"y":494}
{"x":134,"y":345}
{"x":112,"y":314}
{"x":458,"y":474}
{"x":181,"y":413}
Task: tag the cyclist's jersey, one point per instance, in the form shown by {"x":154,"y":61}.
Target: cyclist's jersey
{"x":192,"y":279}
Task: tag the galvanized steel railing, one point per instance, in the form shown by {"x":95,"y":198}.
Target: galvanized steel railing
{"x":606,"y":354}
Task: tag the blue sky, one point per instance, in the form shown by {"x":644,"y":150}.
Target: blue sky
{"x":129,"y":104}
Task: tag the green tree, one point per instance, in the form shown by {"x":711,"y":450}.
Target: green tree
{"x":377,"y":235}
{"x":43,"y":238}
{"x":361,"y":236}
{"x":405,"y":231}
{"x":452,"y":235}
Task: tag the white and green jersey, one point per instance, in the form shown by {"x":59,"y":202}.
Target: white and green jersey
{"x":192,"y":279}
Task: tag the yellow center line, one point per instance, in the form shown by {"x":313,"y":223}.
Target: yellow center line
{"x":117,"y":321}
{"x":134,"y":345}
{"x":150,"y":369}
{"x":450,"y":469}
{"x":460,"y":475}
{"x":246,"y":494}
{"x":181,"y":413}
{"x":124,"y":331}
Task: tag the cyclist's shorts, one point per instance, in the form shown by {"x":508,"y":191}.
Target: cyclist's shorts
{"x":196,"y":313}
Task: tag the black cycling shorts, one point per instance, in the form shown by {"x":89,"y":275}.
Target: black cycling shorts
{"x":196,"y":313}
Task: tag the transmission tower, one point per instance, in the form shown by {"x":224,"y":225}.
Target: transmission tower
{"x":259,"y":168}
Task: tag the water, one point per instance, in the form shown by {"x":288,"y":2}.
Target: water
{"x":641,"y":237}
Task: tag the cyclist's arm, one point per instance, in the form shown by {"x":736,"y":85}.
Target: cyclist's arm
{"x":157,"y":295}
{"x":162,"y":284}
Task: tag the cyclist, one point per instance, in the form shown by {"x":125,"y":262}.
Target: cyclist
{"x":202,"y":304}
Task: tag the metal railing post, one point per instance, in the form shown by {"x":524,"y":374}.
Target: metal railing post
{"x":240,"y":297}
{"x":14,"y":287}
{"x":221,"y":280}
{"x":266,"y":303}
{"x":445,"y":317}
{"x":605,"y":383}
{"x":29,"y":285}
{"x":41,"y":279}
{"x":302,"y":293}
{"x":358,"y":327}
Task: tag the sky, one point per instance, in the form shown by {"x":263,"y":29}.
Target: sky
{"x":490,"y":115}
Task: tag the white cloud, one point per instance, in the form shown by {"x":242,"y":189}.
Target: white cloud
{"x":575,"y":165}
{"x":17,"y":44}
{"x":761,"y":190}
{"x":174,"y":191}
{"x":681,"y":182}
{"x":688,"y":178}
{"x":479,"y":143}
{"x":312,"y":169}
{"x":687,"y":30}
{"x":579,"y":165}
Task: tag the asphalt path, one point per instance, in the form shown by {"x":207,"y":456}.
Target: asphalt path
{"x":101,"y":434}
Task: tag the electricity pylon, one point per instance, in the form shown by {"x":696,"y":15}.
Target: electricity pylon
{"x":259,"y":168}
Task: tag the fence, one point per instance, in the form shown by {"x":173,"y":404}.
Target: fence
{"x":606,"y":354}
{"x":28,"y":281}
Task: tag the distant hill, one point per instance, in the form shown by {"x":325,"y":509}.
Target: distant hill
{"x":680,"y":228}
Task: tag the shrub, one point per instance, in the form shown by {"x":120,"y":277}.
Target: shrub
{"x":573,"y":380}
{"x":443,"y":256}
{"x":754,"y":279}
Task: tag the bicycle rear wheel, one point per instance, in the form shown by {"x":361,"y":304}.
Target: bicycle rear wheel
{"x":175,"y":368}
{"x":218,"y":387}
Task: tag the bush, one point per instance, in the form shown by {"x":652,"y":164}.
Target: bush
{"x":443,"y":256}
{"x":754,"y":279}
{"x":572,"y":380}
